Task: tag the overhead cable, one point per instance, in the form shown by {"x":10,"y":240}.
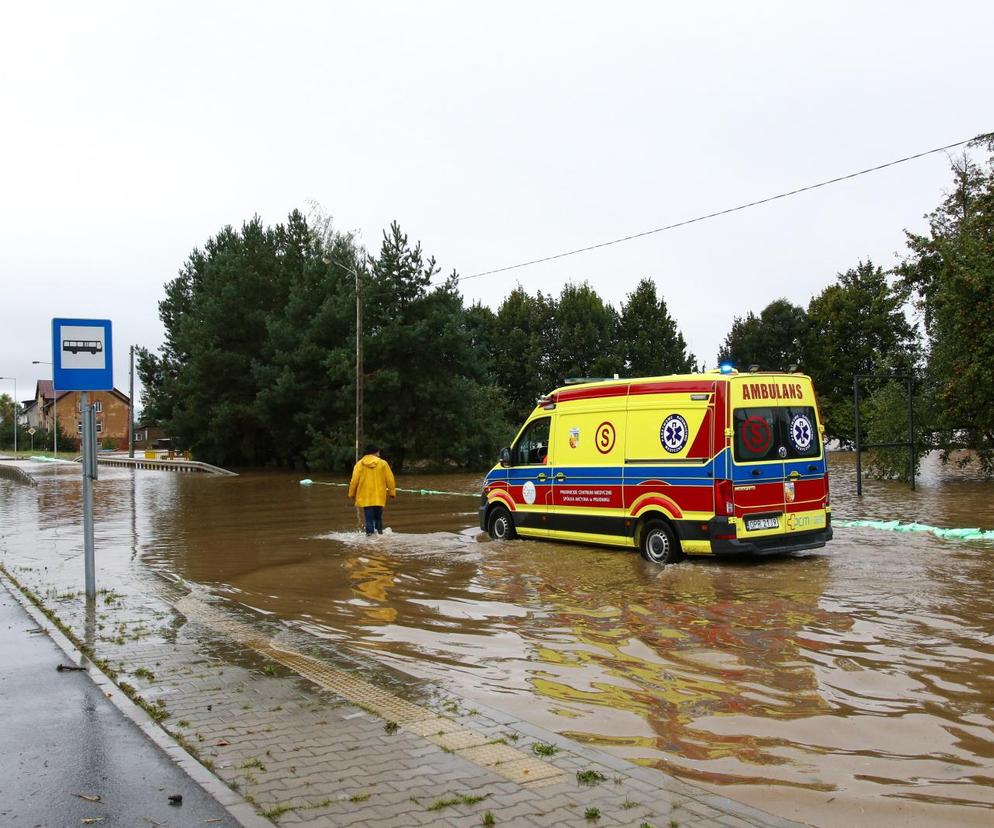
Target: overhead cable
{"x":767,"y":200}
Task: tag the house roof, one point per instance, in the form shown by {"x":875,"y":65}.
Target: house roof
{"x":45,"y":391}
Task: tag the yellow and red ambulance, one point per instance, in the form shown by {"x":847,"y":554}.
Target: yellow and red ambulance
{"x":719,"y":463}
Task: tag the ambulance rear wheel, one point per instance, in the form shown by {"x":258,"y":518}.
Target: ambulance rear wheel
{"x":500,"y":526}
{"x":657,"y":544}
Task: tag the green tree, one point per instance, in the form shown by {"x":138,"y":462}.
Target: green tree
{"x":428,"y":396}
{"x":583,"y":341}
{"x":306,"y":379}
{"x":857,"y":326}
{"x":203,"y":385}
{"x":884,"y":419}
{"x":522,"y":330}
{"x":951,"y":272}
{"x":7,"y":414}
{"x":649,"y":342}
{"x":773,"y":340}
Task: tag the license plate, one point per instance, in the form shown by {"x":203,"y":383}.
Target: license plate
{"x":753,"y":524}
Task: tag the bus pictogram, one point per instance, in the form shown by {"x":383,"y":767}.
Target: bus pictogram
{"x":74,"y":346}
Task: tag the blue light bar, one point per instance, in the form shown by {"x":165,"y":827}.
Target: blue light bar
{"x":726,"y":368}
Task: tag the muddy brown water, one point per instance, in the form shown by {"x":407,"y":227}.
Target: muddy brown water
{"x":854,"y":683}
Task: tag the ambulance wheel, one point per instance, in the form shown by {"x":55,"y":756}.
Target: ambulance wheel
{"x":657,"y":543}
{"x":500,"y":526}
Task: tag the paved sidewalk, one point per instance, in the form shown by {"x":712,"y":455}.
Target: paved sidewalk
{"x":68,"y":755}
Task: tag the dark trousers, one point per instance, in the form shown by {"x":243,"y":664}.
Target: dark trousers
{"x":374,"y":519}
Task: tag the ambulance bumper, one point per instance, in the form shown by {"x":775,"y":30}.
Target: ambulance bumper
{"x":769,"y":545}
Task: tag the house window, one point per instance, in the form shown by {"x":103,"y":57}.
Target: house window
{"x":100,"y":426}
{"x":98,"y":406}
{"x":79,"y":427}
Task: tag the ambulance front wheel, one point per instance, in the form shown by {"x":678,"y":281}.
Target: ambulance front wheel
{"x":657,"y":543}
{"x":500,"y":526}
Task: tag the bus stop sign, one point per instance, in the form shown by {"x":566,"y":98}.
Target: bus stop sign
{"x":82,"y":355}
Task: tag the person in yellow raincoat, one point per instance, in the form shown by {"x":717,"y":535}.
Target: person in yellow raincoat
{"x":372,"y":481}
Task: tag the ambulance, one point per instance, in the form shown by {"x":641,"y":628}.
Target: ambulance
{"x":721,"y":463}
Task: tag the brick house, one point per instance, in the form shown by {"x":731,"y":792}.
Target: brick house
{"x":111,"y":412}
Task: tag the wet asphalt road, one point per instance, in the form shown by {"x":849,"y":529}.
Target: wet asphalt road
{"x":59,"y":737}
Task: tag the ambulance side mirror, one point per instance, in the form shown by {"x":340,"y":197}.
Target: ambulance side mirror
{"x":505,"y":457}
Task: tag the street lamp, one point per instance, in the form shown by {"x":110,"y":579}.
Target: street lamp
{"x":55,"y":408}
{"x":15,"y":411}
{"x":358,"y":349}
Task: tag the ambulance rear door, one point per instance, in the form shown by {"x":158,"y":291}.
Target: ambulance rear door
{"x":758,"y":467}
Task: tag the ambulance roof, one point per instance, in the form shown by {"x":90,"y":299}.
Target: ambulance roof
{"x":707,"y":377}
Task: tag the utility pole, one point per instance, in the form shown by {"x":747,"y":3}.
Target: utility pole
{"x":131,"y":405}
{"x":358,"y":365}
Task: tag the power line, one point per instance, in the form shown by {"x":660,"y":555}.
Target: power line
{"x":726,"y":211}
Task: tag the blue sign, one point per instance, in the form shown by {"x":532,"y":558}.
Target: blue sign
{"x":82,"y":355}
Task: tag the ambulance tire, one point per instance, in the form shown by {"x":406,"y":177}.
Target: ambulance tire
{"x":500,"y":524}
{"x":657,"y":543}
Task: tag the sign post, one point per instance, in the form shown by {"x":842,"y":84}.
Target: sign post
{"x":82,"y":360}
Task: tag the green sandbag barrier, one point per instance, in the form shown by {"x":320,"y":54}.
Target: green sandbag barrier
{"x":896,"y":526}
{"x":309,"y":482}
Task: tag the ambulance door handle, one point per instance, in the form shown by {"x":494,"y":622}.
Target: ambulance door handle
{"x":812,"y":468}
{"x":560,"y":477}
{"x":757,"y":472}
{"x":541,"y":477}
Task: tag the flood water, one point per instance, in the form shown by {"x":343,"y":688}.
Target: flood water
{"x":854,"y":683}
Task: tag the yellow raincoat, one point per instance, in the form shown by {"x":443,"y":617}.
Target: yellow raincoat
{"x":372,"y":481}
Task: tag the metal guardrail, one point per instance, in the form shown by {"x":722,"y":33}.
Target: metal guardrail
{"x":183,"y":466}
{"x":17,"y":475}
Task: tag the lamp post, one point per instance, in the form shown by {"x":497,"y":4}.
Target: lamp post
{"x":55,"y":407}
{"x":15,"y":411}
{"x":358,"y":350}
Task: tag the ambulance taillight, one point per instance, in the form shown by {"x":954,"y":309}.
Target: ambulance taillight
{"x":723,"y":505}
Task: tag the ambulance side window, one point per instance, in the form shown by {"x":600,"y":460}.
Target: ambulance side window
{"x":532,"y":446}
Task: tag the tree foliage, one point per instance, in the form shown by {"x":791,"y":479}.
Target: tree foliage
{"x":258,"y":364}
{"x":857,"y":326}
{"x":951,"y":273}
{"x":774,"y":340}
{"x":649,"y":341}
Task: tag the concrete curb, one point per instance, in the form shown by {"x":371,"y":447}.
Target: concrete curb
{"x":240,"y":809}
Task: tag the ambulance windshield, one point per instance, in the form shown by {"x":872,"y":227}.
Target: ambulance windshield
{"x":781,"y":433}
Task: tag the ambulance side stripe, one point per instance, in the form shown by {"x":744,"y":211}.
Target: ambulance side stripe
{"x":503,"y":497}
{"x":648,"y":500}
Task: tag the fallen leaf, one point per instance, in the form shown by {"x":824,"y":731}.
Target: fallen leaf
{"x":91,"y":820}
{"x":222,"y":742}
{"x":88,"y":797}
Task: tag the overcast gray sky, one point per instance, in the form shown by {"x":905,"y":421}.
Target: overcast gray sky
{"x":494,"y":133}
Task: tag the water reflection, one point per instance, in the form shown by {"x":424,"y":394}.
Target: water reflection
{"x":862,"y":675}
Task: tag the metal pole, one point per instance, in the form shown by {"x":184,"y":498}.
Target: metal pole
{"x":15,"y":418}
{"x":911,"y":427}
{"x":131,"y":406}
{"x":55,"y":416}
{"x":358,"y":365}
{"x":89,"y":475}
{"x":859,"y":462}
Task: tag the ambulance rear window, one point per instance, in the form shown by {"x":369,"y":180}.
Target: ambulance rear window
{"x":780,"y":433}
